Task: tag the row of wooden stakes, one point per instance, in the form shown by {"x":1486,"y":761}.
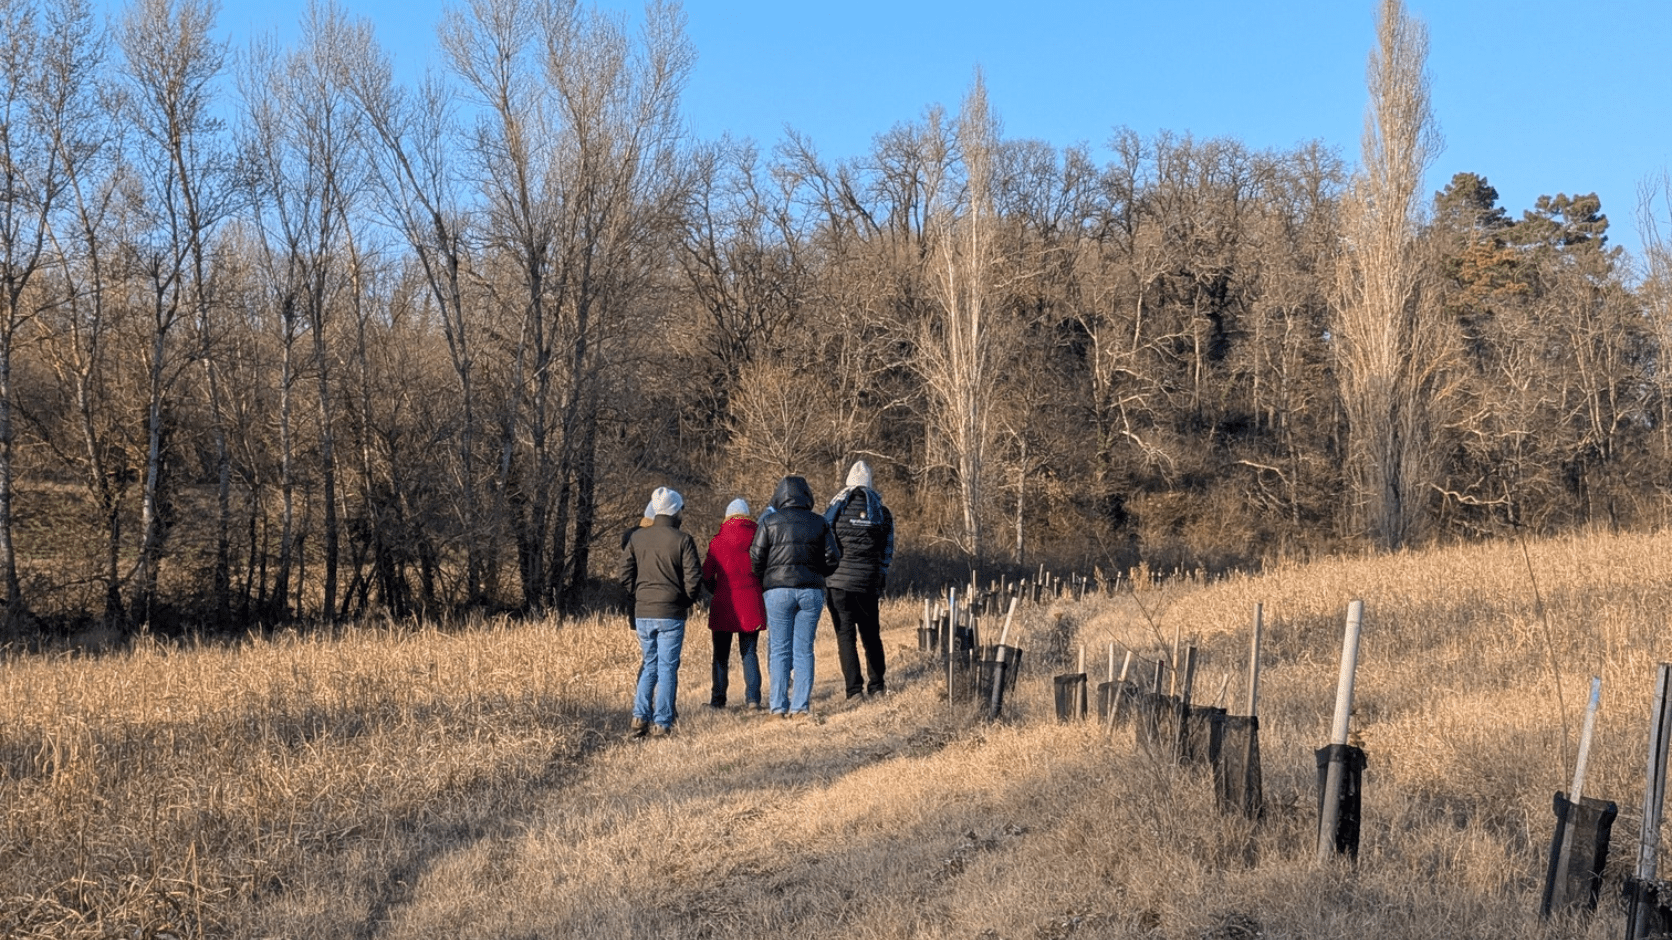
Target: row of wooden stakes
{"x":1168,"y":722}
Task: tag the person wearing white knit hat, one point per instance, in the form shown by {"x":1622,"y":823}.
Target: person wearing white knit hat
{"x":663,"y":575}
{"x":864,"y":530}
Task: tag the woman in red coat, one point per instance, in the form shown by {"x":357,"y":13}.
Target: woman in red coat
{"x":737,"y":608}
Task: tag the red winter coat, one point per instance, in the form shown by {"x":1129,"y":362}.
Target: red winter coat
{"x":738,"y":606}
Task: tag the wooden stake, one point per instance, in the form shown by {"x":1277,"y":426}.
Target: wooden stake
{"x":1173,"y":684}
{"x":946,"y":645}
{"x":1114,"y":707}
{"x":1184,"y":702}
{"x":1591,"y":706}
{"x":1189,"y":675}
{"x":1004,"y":635}
{"x":1575,"y":792}
{"x":1349,"y":667}
{"x":1251,"y":743}
{"x":1085,"y":685}
{"x":1330,"y":816}
{"x":1641,"y":913}
{"x":951,"y":621}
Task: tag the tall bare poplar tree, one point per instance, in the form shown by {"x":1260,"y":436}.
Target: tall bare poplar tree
{"x":1388,"y":353}
{"x":957,"y":350}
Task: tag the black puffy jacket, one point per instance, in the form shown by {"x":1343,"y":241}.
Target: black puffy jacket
{"x":865,"y":533}
{"x":794,"y":547}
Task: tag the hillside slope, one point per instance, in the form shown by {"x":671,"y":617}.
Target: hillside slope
{"x":477,"y":783}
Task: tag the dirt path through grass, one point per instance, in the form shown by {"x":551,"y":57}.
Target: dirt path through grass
{"x":744,"y":823}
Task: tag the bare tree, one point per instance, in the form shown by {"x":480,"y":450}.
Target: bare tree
{"x":412,"y":138}
{"x":1390,"y":356}
{"x":619,"y":97}
{"x":489,"y":45}
{"x":957,"y":349}
{"x":173,"y":62}
{"x":866,"y":242}
{"x":577,"y":152}
{"x":1654,"y":225}
{"x":45,"y":71}
{"x":81,"y":326}
{"x":742,"y":256}
{"x":70,"y":331}
{"x":307,"y":135}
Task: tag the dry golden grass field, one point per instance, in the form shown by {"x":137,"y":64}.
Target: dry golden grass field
{"x":390,"y":783}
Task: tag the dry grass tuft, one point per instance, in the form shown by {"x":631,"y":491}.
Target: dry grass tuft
{"x":477,"y":783}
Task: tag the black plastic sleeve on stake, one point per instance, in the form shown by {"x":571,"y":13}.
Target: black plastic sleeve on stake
{"x":1237,"y":784}
{"x":1200,"y":734}
{"x":1071,"y":696}
{"x":1156,"y":728}
{"x":1648,"y":916}
{"x":1643,"y":907}
{"x":996,"y":703}
{"x":1348,"y":802}
{"x":1585,"y":830}
{"x":1108,"y":693}
{"x":995,"y":669}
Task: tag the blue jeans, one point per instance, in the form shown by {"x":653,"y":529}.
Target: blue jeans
{"x":661,"y":641}
{"x":792,"y":614}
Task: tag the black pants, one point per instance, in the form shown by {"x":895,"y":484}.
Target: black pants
{"x":855,"y":612}
{"x":751,"y":667}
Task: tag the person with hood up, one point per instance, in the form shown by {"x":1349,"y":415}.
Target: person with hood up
{"x":663,"y":577}
{"x":792,"y":553}
{"x":738,"y":608}
{"x":864,"y":530}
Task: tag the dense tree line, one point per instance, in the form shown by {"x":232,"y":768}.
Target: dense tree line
{"x":281,"y":337}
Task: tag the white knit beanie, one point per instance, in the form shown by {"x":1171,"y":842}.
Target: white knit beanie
{"x":666,"y":502}
{"x":737,"y":507}
{"x":860,"y":474}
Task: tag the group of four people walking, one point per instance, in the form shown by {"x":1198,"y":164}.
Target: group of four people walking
{"x":776,"y":573}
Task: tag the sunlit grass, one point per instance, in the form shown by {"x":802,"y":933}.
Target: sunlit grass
{"x":476,"y":782}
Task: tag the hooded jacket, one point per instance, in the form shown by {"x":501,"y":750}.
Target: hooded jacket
{"x":864,"y":530}
{"x":794,"y":547}
{"x":661,"y":570}
{"x":738,"y":606}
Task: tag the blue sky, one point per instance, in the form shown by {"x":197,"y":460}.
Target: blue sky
{"x":1538,"y":96}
